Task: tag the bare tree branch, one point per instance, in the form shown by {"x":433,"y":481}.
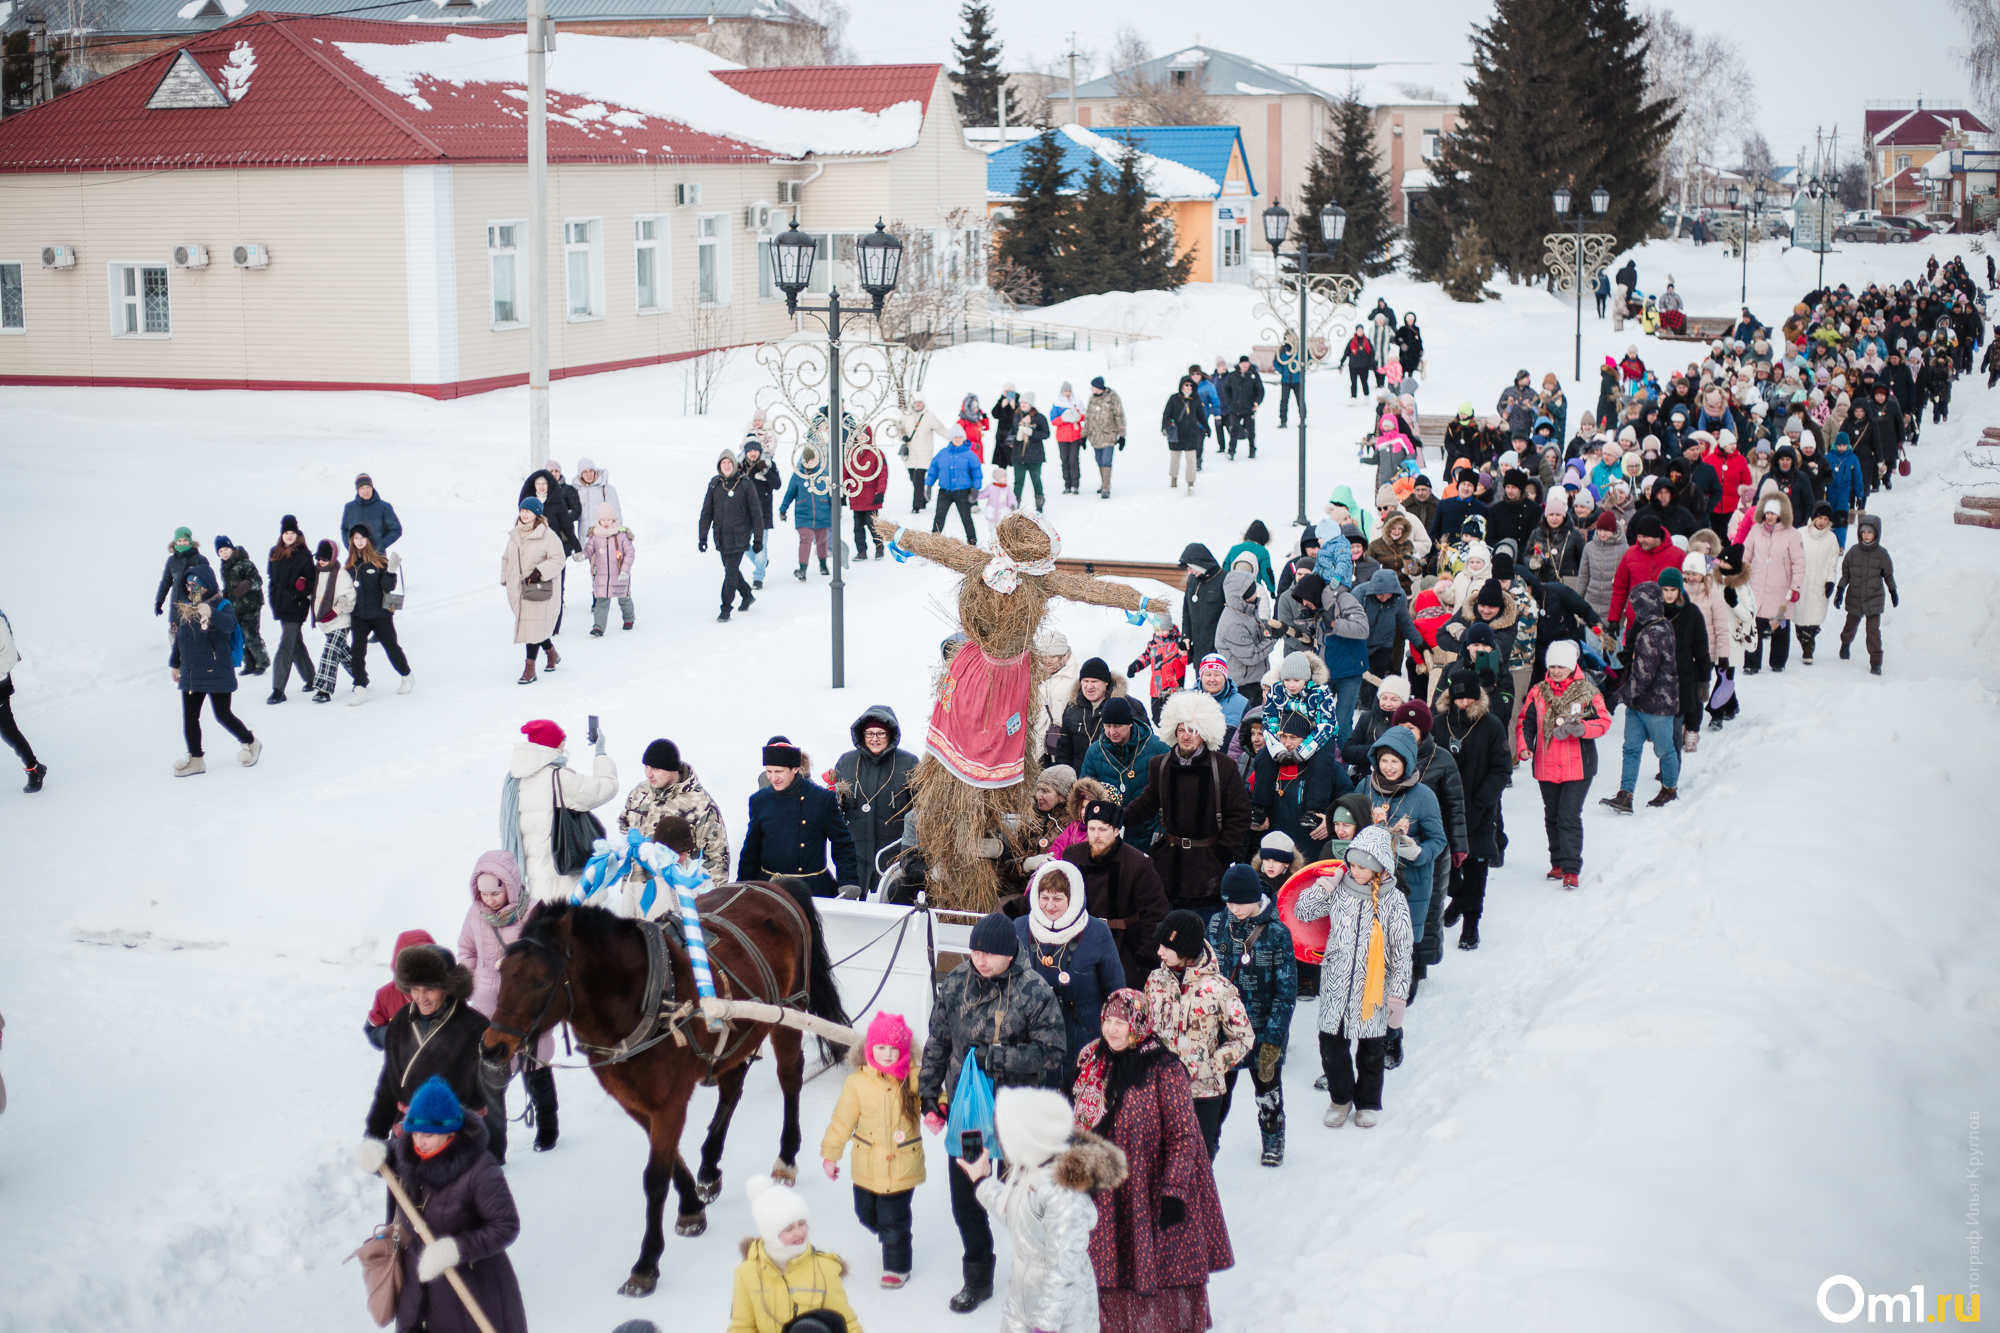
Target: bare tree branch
{"x":1707,"y":84}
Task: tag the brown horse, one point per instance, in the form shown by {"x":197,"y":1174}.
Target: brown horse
{"x":588,"y":967}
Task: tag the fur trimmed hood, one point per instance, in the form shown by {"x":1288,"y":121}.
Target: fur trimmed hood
{"x":1198,"y":708}
{"x":1320,"y":675}
{"x":1076,"y":689}
{"x":1090,"y":1165}
{"x":1083,"y":793}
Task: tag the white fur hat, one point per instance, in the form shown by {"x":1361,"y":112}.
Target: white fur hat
{"x":1199,"y":709}
{"x":774,"y":1207}
{"x":1034,"y":1123}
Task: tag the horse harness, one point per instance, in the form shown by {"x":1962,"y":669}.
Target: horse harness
{"x":661,"y":1018}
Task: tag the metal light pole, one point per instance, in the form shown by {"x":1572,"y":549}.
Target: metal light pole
{"x":1757,"y":196}
{"x":1332,"y":226}
{"x":1600,"y":200}
{"x":538,"y":234}
{"x":1816,"y":191}
{"x":881,"y":258}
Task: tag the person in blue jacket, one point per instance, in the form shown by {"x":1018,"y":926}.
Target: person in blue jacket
{"x":1847,"y":488}
{"x":1291,"y":792}
{"x":370,"y":508}
{"x":793,"y":824}
{"x":814,"y":518}
{"x":1291,"y":376}
{"x":1458,"y":506}
{"x":1253,"y":951}
{"x":206,"y":642}
{"x":955,"y":473}
{"x":1206,"y":389}
{"x":1121,"y":756}
{"x":1073,"y":951}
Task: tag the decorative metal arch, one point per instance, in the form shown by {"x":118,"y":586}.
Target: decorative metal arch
{"x":1328,"y":295}
{"x":1598,"y":250}
{"x":877,"y":382}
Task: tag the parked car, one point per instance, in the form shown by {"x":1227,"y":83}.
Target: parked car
{"x":1877,"y":231}
{"x":1916,"y":228}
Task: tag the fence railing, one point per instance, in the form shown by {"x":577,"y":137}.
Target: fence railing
{"x":1013,"y":332}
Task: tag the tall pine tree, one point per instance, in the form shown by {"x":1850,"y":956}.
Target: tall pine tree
{"x":978,"y":77}
{"x":1145,"y":240}
{"x":1346,"y":170}
{"x":1521,"y":136}
{"x":1627,"y":134}
{"x":1036,"y":237}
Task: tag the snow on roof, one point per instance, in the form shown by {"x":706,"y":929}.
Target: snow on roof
{"x":1391,"y":83}
{"x":1418,"y":178}
{"x":1226,"y":75}
{"x":188,"y":17}
{"x":1176,"y":161}
{"x":673,"y":81}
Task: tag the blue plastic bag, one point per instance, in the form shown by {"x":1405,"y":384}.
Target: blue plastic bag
{"x":972,"y":1109}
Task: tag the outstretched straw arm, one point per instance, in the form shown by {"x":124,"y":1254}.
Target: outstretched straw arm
{"x":936,"y":547}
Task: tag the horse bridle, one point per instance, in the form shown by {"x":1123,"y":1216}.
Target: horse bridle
{"x":537,"y":1025}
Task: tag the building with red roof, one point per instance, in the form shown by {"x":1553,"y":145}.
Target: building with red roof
{"x":1899,"y":143}
{"x":302,"y":202}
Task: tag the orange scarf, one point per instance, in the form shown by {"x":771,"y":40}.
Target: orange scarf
{"x":1376,"y":975}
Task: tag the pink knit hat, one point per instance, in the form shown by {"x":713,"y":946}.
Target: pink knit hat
{"x":887,"y":1029}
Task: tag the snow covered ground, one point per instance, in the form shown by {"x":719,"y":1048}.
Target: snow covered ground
{"x":1741,"y":1060}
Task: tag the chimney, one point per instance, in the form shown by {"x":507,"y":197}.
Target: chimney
{"x":41,"y":87}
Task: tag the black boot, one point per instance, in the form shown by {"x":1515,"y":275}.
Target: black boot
{"x":1452,"y":914}
{"x":541,"y":1085}
{"x":1468,"y":936}
{"x":822,"y":566}
{"x":35,"y":776}
{"x":1392,"y":1049}
{"x":978,"y":1288}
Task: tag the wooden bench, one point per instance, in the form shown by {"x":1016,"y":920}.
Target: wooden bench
{"x":1699,"y":329}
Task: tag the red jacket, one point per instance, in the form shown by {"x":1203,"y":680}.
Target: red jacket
{"x":1731,"y":471}
{"x":1639,"y":566}
{"x":1559,"y":760}
{"x":388,"y":999}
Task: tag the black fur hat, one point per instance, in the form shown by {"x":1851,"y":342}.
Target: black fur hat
{"x":432,"y":965}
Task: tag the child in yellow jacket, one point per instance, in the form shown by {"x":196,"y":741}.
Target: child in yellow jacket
{"x":782,"y":1276}
{"x":879,"y":1111}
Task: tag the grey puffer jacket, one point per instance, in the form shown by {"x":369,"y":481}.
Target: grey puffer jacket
{"x":1049,"y":1215}
{"x":1344,"y":972}
{"x":1013,"y":1020}
{"x":1598,"y":568}
{"x":1240,"y":636}
{"x":1867,"y":574}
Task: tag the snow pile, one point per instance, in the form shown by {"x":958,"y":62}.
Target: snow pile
{"x":670,"y":80}
{"x":236,"y":73}
{"x":1164,"y":179}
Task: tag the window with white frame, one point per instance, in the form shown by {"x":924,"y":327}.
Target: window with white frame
{"x":712,"y":258}
{"x":13,"y":318}
{"x":1230,"y":243}
{"x":140,"y":301}
{"x":583,"y":268}
{"x":504,"y":273}
{"x":1431,"y":141}
{"x":649,"y":264}
{"x":1902,"y":161}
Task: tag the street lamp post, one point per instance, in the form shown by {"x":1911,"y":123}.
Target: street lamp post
{"x":1600,"y":200}
{"x":881,"y":261}
{"x":1816,"y":191}
{"x":1743,"y":228}
{"x":1332,"y":226}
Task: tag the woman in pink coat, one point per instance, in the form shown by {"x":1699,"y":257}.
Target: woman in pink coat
{"x":492,"y":923}
{"x":1777,"y":559}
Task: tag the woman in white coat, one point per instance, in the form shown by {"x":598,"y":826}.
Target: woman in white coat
{"x":1822,"y":570}
{"x":1045,"y":1204}
{"x":332,"y":607}
{"x":537,"y":779}
{"x":531,"y":572}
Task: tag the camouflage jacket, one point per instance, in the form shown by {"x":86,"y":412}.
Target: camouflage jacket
{"x":691,"y":801}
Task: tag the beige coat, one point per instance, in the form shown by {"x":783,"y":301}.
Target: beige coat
{"x":541,"y":786}
{"x":925,"y":433}
{"x":538,"y":550}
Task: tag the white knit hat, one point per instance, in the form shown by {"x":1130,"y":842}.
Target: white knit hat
{"x":774,"y":1207}
{"x":1034,"y":1123}
{"x":1563,"y":653}
{"x":1396,"y":685}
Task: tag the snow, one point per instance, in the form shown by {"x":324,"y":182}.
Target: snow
{"x":1251,"y":90}
{"x":671,"y":80}
{"x":1390,"y":82}
{"x":1165,"y":179}
{"x":236,"y":72}
{"x":1738,"y":1061}
{"x":230,"y":7}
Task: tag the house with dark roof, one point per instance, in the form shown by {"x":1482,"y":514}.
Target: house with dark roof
{"x":1199,"y":172}
{"x":339,"y":203}
{"x":1899,"y":144}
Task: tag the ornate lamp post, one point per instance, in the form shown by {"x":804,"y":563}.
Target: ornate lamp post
{"x":1579,"y":258}
{"x":1816,"y":191}
{"x":881,"y":260}
{"x":1746,"y":227}
{"x":1332,"y":226}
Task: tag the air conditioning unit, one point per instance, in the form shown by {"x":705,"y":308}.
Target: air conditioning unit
{"x":191,"y":256}
{"x":790,"y":192}
{"x":58,"y":256}
{"x":251,"y":256}
{"x":762,"y":217}
{"x":687,"y":195}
